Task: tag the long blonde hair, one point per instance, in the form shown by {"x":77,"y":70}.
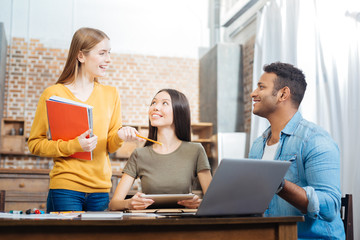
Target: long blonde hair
{"x":84,"y":40}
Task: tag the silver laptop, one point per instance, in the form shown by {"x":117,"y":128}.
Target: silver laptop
{"x":242,"y":187}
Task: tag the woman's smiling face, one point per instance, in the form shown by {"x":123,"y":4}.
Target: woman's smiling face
{"x":161,"y":111}
{"x":96,"y":62}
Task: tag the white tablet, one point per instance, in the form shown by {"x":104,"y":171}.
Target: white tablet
{"x":167,"y":199}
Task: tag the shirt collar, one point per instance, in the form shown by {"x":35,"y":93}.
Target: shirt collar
{"x":290,"y":127}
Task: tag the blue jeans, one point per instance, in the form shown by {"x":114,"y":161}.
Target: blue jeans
{"x":68,"y":200}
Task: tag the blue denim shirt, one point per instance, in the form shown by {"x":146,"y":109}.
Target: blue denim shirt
{"x":315,"y":166}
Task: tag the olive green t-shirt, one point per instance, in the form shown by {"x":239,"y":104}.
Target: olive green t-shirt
{"x":167,"y":173}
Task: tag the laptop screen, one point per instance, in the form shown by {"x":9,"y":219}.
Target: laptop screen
{"x":242,"y":187}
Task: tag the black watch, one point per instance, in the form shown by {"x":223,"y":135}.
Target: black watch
{"x":281,"y":186}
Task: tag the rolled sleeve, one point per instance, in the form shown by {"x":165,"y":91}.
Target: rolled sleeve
{"x":313,"y":207}
{"x":322,"y":170}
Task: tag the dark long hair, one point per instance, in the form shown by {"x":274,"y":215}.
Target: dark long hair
{"x":181,"y":116}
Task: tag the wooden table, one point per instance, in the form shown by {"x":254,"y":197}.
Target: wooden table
{"x":282,"y":228}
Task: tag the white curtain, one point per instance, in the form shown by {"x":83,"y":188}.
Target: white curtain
{"x":323,"y":39}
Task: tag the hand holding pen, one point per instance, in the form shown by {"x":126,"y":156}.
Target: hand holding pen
{"x":149,"y":139}
{"x":131,"y":134}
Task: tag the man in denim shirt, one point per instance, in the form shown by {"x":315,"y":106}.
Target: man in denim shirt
{"x":312,"y":185}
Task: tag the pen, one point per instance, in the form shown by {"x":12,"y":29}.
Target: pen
{"x":148,"y":139}
{"x":16,"y":212}
{"x":67,"y":212}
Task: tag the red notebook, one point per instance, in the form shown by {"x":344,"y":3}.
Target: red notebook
{"x":67,"y":120}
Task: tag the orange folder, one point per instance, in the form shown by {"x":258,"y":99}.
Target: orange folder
{"x":68,"y":120}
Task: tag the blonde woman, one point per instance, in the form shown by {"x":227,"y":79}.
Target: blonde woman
{"x":77,"y":185}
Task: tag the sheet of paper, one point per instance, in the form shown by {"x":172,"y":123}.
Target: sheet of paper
{"x":39,"y":216}
{"x":101,"y":215}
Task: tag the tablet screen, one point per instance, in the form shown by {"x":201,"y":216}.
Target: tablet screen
{"x":166,"y":200}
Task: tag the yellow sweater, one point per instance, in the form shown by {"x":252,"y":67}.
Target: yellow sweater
{"x":73,"y":174}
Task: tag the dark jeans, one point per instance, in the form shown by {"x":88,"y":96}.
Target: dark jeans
{"x":68,"y":200}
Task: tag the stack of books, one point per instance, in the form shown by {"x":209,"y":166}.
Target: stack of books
{"x":69,"y":119}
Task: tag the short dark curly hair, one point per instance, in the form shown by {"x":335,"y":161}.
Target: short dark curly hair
{"x":288,"y":76}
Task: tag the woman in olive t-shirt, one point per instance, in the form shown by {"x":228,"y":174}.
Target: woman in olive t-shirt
{"x":170,"y":167}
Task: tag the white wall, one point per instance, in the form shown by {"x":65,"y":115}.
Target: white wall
{"x":152,"y":27}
